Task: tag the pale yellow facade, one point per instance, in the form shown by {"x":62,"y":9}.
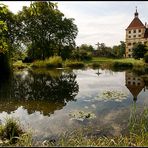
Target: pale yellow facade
{"x":134,"y":34}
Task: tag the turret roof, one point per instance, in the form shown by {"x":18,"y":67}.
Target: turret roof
{"x":136,"y":23}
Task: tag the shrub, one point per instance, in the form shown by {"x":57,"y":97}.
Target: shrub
{"x":19,"y":65}
{"x":38,"y":64}
{"x":81,"y":55}
{"x":11,"y":130}
{"x":74,"y":64}
{"x":54,"y":61}
{"x":146,"y":58}
{"x":121,"y":64}
{"x":27,"y":60}
{"x":95,"y":65}
{"x":12,"y":134}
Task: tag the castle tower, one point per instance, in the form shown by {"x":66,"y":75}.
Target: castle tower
{"x":136,"y":32}
{"x":134,"y":84}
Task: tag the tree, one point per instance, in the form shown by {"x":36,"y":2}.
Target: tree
{"x":45,"y":30}
{"x":4,"y":42}
{"x":4,"y":63}
{"x":119,"y":50}
{"x":139,"y":50}
{"x":87,"y":48}
{"x":122,"y":48}
{"x":10,"y":35}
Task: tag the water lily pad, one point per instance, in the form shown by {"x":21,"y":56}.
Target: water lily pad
{"x":112,"y":95}
{"x":81,"y":115}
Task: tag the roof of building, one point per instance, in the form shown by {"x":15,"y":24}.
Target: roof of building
{"x":136,"y":23}
{"x":146,"y":33}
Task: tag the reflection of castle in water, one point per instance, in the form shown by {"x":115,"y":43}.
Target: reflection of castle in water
{"x":135,"y":84}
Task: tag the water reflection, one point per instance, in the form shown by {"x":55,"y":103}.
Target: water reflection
{"x":37,"y":91}
{"x":135,"y":83}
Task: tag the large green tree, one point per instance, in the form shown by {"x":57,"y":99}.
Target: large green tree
{"x":4,"y":40}
{"x":139,"y":50}
{"x":11,"y":34}
{"x":45,"y":30}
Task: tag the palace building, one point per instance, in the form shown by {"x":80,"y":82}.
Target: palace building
{"x":136,"y":32}
{"x":135,"y":84}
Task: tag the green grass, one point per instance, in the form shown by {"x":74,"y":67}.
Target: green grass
{"x":18,"y":65}
{"x":123,"y":60}
{"x":52,"y":62}
{"x":74,"y":64}
{"x":12,"y":134}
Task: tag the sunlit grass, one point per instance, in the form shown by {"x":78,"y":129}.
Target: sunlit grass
{"x":74,"y":64}
{"x":52,"y":62}
{"x":12,"y":134}
{"x":18,"y":65}
{"x":123,"y":60}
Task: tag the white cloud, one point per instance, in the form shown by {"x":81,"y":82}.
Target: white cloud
{"x":15,"y":6}
{"x":97,"y":21}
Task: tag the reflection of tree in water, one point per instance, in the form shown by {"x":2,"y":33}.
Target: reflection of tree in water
{"x":38,"y":92}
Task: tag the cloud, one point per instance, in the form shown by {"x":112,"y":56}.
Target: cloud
{"x":98,"y":21}
{"x":16,"y":6}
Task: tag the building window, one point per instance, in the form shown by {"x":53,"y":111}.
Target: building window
{"x":129,"y":49}
{"x":129,"y":31}
{"x":139,"y":30}
{"x":134,"y":31}
{"x":134,"y":36}
{"x":129,"y":55}
{"x":139,"y":35}
{"x":144,"y":42}
{"x":129,"y":43}
{"x":134,"y":43}
{"x":129,"y":36}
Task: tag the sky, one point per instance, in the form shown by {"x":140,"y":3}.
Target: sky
{"x":97,"y":21}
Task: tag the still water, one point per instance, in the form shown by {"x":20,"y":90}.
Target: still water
{"x":49,"y":101}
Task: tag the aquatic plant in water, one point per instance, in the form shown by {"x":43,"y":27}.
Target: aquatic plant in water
{"x":112,"y":95}
{"x":81,"y":115}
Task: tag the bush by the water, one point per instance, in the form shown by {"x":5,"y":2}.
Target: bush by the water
{"x":146,"y":58}
{"x":74,"y":64}
{"x":95,"y":65}
{"x":55,"y":61}
{"x":81,"y":55}
{"x":27,"y":60}
{"x":52,"y":62}
{"x":121,"y":64}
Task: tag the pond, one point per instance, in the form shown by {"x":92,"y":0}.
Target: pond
{"x":50,"y":102}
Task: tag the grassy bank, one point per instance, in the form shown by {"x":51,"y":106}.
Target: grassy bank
{"x":56,"y":62}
